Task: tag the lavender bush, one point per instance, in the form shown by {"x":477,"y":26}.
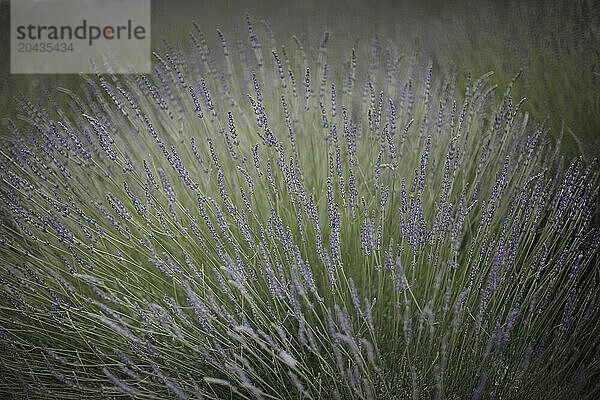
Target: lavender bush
{"x":277,"y":222}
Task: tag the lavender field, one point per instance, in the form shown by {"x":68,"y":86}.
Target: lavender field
{"x":341,"y":208}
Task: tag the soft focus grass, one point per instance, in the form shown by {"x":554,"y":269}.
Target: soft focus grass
{"x":555,"y":43}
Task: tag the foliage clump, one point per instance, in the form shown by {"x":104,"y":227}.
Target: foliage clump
{"x":273,"y":222}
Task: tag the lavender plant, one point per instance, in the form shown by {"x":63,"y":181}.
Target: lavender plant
{"x":268,"y":221}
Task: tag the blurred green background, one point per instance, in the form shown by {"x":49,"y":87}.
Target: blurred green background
{"x":555,"y":43}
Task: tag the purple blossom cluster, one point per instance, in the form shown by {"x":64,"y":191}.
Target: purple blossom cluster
{"x":346,"y":260}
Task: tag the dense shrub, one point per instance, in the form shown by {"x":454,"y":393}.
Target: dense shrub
{"x":262,"y":221}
